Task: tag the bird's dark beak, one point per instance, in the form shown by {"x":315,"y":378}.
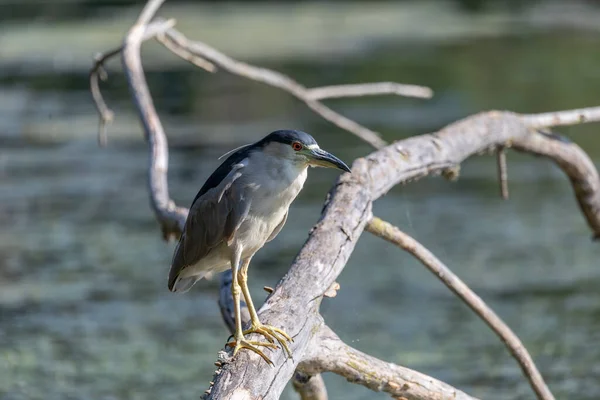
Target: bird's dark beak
{"x":321,"y":158}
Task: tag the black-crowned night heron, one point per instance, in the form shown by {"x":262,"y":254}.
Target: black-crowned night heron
{"x":243,"y":205}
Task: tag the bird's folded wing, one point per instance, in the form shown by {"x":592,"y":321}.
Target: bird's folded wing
{"x":213,"y":218}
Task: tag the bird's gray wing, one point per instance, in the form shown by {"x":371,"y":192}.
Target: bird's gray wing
{"x":213,"y":218}
{"x":278,"y":228}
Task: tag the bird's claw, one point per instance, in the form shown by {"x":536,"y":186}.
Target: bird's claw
{"x":251,"y":345}
{"x":272,"y":333}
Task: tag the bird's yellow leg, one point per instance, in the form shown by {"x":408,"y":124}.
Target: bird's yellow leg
{"x":269,"y":332}
{"x":239,"y":341}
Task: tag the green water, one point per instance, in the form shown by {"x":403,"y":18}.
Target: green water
{"x":84,"y":309}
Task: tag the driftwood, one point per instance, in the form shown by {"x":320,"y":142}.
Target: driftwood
{"x":294,"y":304}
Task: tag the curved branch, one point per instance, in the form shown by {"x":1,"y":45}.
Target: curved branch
{"x":186,"y":55}
{"x":330,"y":354}
{"x":394,"y":235}
{"x":308,"y":386}
{"x":369,"y":89}
{"x":98,"y":72}
{"x":170,"y":217}
{"x":294,"y":304}
{"x":578,"y":167}
{"x":278,"y":80}
{"x":562,"y":118}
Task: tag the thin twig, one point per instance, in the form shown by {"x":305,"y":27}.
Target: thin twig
{"x":184,"y":54}
{"x":394,"y":235}
{"x":328,"y":353}
{"x":148,"y":12}
{"x":369,"y":89}
{"x":562,"y":118}
{"x":502,"y":172}
{"x":98,"y":72}
{"x":278,"y":80}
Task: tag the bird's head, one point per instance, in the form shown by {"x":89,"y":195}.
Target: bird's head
{"x":301,"y":148}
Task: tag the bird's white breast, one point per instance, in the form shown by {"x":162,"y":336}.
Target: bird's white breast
{"x":273,"y":185}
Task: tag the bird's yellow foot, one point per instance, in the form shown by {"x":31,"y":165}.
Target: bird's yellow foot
{"x":242,"y":343}
{"x":272,"y":333}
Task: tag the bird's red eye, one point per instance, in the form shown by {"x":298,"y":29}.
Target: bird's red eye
{"x":297,"y":146}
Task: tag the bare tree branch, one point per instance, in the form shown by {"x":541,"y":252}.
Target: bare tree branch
{"x":292,"y":306}
{"x":308,"y":386}
{"x":182,"y":52}
{"x":148,"y":12}
{"x":502,"y":172}
{"x":275,"y":79}
{"x":394,"y":235}
{"x":327,"y":353}
{"x":168,"y":214}
{"x":170,"y":217}
{"x":105,"y":114}
{"x":561,"y":118}
{"x":330,"y":354}
{"x":369,"y":89}
{"x":332,"y":240}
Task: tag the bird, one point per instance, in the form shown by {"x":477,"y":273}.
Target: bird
{"x":243,"y":205}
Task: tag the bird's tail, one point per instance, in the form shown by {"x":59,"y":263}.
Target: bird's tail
{"x":177,"y":283}
{"x":182,"y":285}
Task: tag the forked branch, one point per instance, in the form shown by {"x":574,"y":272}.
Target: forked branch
{"x":199,"y":54}
{"x":330,"y":354}
{"x":348,"y":210}
{"x":98,"y":72}
{"x":170,"y":216}
{"x":394,"y":235}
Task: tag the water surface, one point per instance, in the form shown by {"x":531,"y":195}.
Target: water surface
{"x":84,"y":309}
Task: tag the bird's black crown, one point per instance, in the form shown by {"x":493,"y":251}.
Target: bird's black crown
{"x":288,"y":136}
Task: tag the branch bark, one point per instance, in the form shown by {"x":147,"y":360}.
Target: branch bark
{"x":394,"y":235}
{"x":562,"y":118}
{"x":324,"y":255}
{"x":309,"y":386}
{"x":369,"y":89}
{"x":278,"y":80}
{"x":171,"y":217}
{"x":294,"y":304}
{"x":330,"y":354}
